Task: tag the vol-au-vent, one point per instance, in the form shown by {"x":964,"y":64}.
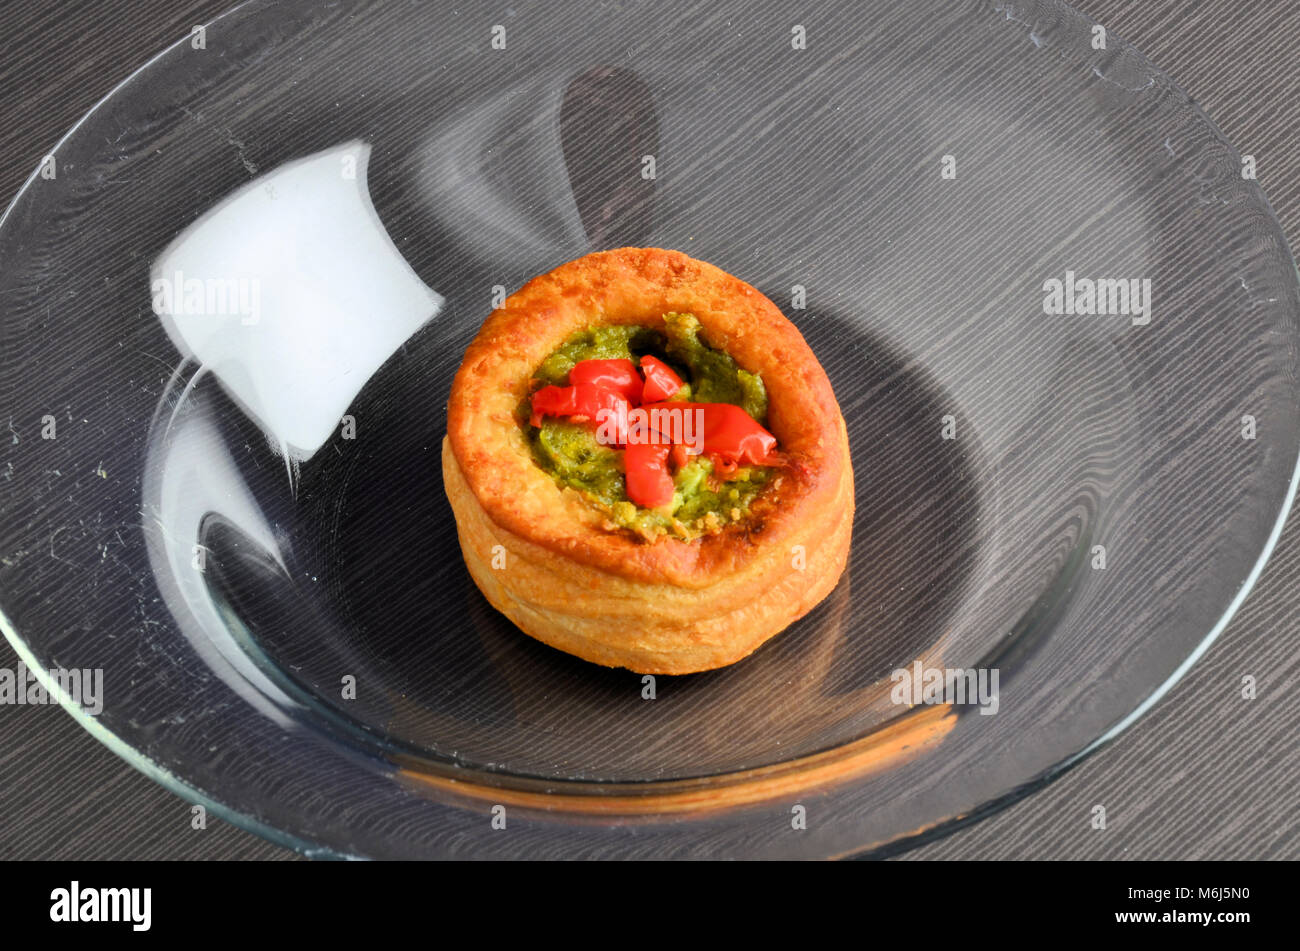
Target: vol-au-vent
{"x":647,"y":464}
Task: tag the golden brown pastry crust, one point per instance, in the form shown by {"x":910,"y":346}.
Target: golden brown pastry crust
{"x":669,"y":606}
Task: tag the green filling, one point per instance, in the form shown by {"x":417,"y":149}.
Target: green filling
{"x":571,"y":453}
{"x":713,"y":375}
{"x":597,"y":343}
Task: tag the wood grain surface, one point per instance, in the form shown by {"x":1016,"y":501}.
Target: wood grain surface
{"x":1204,"y":774}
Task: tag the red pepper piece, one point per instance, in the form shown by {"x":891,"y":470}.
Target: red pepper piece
{"x":723,"y":469}
{"x":582,"y":400}
{"x":680,"y":456}
{"x":661,"y":382}
{"x":730,"y":435}
{"x":648,"y":483}
{"x":617,"y":375}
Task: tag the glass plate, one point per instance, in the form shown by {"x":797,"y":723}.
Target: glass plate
{"x":1077,"y":501}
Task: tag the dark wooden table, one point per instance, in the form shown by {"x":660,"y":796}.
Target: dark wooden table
{"x":1205,"y":774}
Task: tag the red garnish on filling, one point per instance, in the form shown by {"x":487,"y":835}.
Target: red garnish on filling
{"x":730,"y":434}
{"x":661,"y":382}
{"x":649,"y":483}
{"x":730,"y":437}
{"x":617,"y":375}
{"x":582,"y":401}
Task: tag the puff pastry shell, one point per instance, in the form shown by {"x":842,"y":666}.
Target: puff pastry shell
{"x":548,"y":559}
